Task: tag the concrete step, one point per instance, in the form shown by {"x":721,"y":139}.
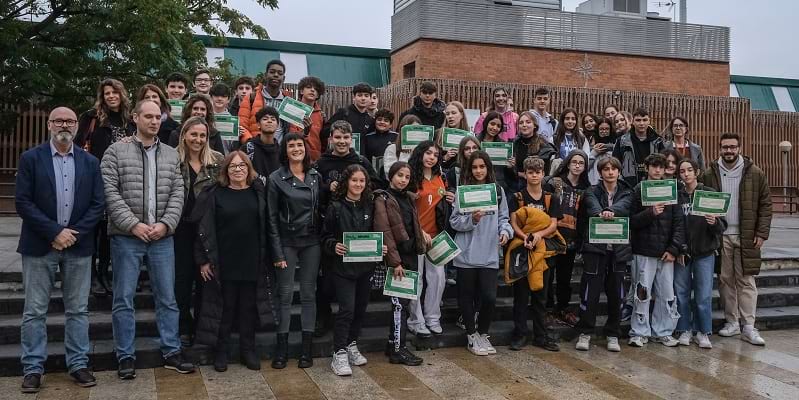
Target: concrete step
{"x":7,"y":189}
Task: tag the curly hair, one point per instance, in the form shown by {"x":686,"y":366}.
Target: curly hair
{"x":417,"y":164}
{"x":344,"y":182}
{"x":102,"y":108}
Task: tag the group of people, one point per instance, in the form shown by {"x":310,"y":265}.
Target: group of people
{"x":226,"y":227}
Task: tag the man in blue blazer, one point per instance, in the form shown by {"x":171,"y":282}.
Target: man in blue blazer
{"x":59,"y":195}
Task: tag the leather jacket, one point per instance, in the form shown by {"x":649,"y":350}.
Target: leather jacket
{"x":293,"y":210}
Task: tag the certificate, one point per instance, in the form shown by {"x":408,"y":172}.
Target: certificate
{"x":615,"y":231}
{"x":227,"y":126}
{"x":406,"y":288}
{"x":356,"y":142}
{"x":293,"y":111}
{"x":442,"y":249}
{"x":473,"y":198}
{"x":452,"y":137}
{"x":412,"y":135}
{"x":499,"y":152}
{"x":177,"y":109}
{"x":363,"y":246}
{"x":710,"y":203}
{"x":662,"y":191}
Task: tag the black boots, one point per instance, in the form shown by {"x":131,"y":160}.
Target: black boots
{"x":220,"y":359}
{"x":402,"y":356}
{"x":306,"y":357}
{"x":250,"y":359}
{"x":280,"y":358}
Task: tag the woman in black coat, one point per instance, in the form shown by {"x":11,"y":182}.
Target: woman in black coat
{"x":232,"y":253}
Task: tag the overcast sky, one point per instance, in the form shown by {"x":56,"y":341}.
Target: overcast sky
{"x":762,"y":32}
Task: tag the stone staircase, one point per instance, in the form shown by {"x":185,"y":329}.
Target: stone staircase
{"x":778,"y":308}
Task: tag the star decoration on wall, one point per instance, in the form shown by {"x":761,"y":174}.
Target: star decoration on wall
{"x":585,"y":68}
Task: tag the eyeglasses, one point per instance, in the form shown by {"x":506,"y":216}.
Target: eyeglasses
{"x":236,"y":167}
{"x":577,"y":162}
{"x":64,"y":122}
{"x":730,"y":147}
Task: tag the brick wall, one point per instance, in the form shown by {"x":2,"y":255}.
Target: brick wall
{"x":480,"y":62}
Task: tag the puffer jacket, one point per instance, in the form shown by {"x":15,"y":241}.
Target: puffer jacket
{"x":754,"y":209}
{"x":701,"y":238}
{"x":293,"y":210}
{"x":652,"y":235}
{"x":206,"y":177}
{"x":347,"y":216}
{"x":248,"y":109}
{"x":388,"y":219}
{"x":594,"y":203}
{"x":624,"y":150}
{"x":124,"y":171}
{"x":206,"y":251}
{"x":433,"y":116}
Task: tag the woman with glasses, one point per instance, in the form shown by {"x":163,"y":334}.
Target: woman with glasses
{"x":231,"y":251}
{"x":601,"y":147}
{"x":677,"y":136}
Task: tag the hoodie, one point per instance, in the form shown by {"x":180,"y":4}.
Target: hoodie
{"x":433,"y":116}
{"x":479,"y":243}
{"x":265,"y":157}
{"x":631,"y":152}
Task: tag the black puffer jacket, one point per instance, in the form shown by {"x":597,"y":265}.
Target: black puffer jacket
{"x":347,"y":216}
{"x":701,"y":238}
{"x":652,"y":235}
{"x":293,"y":210}
{"x":206,"y":251}
{"x":594,"y":203}
{"x":433,"y":116}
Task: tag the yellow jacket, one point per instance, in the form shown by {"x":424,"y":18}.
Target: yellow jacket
{"x":534,"y":220}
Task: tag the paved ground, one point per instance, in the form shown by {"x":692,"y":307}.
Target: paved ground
{"x":731,"y":370}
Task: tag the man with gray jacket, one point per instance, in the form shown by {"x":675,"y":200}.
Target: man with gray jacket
{"x":144,"y":194}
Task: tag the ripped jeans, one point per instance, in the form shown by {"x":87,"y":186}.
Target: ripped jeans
{"x":654,"y":277}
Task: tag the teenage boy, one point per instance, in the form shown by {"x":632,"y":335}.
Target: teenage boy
{"x":657,"y":236}
{"x":547,"y":123}
{"x":243,"y":87}
{"x":604,"y":265}
{"x":533,"y":196}
{"x":356,"y":114}
{"x":374,"y":144}
{"x":177,"y":86}
{"x":220,"y":98}
{"x":264,"y":150}
{"x":202,"y":81}
{"x":633,"y":147}
{"x":330,"y":167}
{"x":749,"y":223}
{"x":268,"y":93}
{"x":311,"y":90}
{"x":427,"y":106}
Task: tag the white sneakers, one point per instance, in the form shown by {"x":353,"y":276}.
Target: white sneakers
{"x":435,"y":329}
{"x":637,"y":341}
{"x":685,"y":338}
{"x":703,"y":341}
{"x":584,"y":342}
{"x":751,"y":335}
{"x":730,"y":329}
{"x":613,"y":344}
{"x":487,"y":344}
{"x":475,"y":344}
{"x":354,"y":355}
{"x":341,"y":364}
{"x":668,"y":341}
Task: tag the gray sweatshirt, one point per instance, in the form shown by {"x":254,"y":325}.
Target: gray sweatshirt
{"x":730,"y":183}
{"x":479,"y":243}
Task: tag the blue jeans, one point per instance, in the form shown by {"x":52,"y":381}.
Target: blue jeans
{"x":654,"y":278}
{"x":38,"y":277}
{"x":127,"y":253}
{"x":697,"y":275}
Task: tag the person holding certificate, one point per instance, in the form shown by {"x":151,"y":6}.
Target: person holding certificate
{"x":352,"y":210}
{"x":397,"y":218}
{"x":658,"y":238}
{"x":479,"y":235}
{"x":394,"y":151}
{"x":604,"y":265}
{"x":490,"y":131}
{"x":454,"y":118}
{"x":693,"y":271}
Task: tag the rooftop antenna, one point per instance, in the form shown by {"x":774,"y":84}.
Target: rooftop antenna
{"x":669,"y":5}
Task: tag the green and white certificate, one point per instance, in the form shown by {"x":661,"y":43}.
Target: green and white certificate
{"x":227,"y":126}
{"x":499,"y":152}
{"x":293,"y":111}
{"x":615,"y":231}
{"x":442,"y":249}
{"x":412,"y":135}
{"x":655,"y":192}
{"x":177,"y":109}
{"x":406,"y":288}
{"x":452,"y":138}
{"x":710,"y":203}
{"x":363,"y":246}
{"x":356,"y":142}
{"x":473,"y":198}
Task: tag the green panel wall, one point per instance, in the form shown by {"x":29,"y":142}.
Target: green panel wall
{"x":250,"y":61}
{"x":794,"y":91}
{"x":344,"y":71}
{"x":761,"y":97}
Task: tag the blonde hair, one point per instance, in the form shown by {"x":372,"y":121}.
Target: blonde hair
{"x":206,"y":154}
{"x":464,"y":124}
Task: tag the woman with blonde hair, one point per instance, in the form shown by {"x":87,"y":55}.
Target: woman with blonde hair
{"x":454,"y":117}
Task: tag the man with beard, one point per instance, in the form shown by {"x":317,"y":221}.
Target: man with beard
{"x":59,"y":196}
{"x":749,"y":222}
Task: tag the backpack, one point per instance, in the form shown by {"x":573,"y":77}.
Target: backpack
{"x":520,"y":199}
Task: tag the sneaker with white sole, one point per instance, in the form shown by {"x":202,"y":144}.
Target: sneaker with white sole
{"x":583,"y":342}
{"x":354,"y":355}
{"x":685,"y":338}
{"x":487,"y":344}
{"x":475,"y":344}
{"x":341,"y":363}
{"x":751,"y":335}
{"x":637,"y":341}
{"x":419,"y":331}
{"x":703,"y":340}
{"x":613,"y":344}
{"x":668,"y":341}
{"x":730,"y":329}
{"x":435,"y":329}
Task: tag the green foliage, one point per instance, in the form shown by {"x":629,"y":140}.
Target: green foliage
{"x":56,"y":51}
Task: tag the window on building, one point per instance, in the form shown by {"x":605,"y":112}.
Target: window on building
{"x":409,"y":70}
{"x":629,"y":6}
